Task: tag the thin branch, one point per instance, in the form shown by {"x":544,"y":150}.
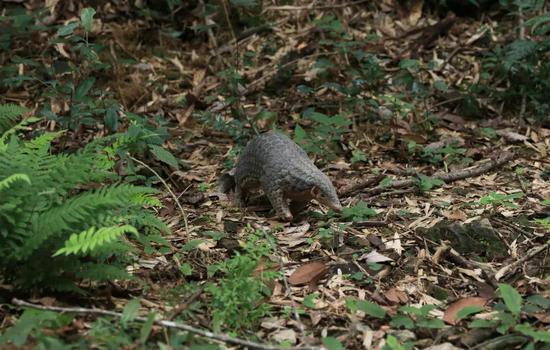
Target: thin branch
{"x":452,"y":176}
{"x":183,"y":213}
{"x":164,"y":323}
{"x":311,"y":7}
{"x":531,"y":253}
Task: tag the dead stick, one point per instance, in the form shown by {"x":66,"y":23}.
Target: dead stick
{"x":450,"y":177}
{"x":168,"y":324}
{"x":531,"y":253}
{"x":311,"y":7}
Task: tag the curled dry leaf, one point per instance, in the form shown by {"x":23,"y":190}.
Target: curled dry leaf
{"x":308,"y":273}
{"x":450,"y":315}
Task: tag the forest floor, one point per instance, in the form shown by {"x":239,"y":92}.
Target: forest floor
{"x":444,"y":201}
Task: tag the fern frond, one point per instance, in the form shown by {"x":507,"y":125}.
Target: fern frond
{"x":8,"y":181}
{"x":9,"y":114}
{"x":91,"y":238}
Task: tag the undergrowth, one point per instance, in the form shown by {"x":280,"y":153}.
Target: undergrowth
{"x":63,"y":217}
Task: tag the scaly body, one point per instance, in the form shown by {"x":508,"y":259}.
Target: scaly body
{"x":277,"y":165}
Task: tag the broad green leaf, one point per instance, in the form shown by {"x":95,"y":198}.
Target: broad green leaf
{"x":86,"y":17}
{"x":146,"y":328}
{"x":408,"y":63}
{"x":67,"y":29}
{"x":511,"y":298}
{"x":164,"y":156}
{"x":332,"y":343}
{"x":370,"y":308}
{"x":186,"y":269}
{"x":527,"y":329}
{"x":192,"y":244}
{"x":299,"y":134}
{"x":130,"y":312}
{"x":309,"y":300}
{"x":83,"y":89}
{"x":468,"y":310}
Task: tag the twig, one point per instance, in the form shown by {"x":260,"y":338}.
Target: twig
{"x":450,"y":177}
{"x":357,"y":187}
{"x":183,"y":213}
{"x":311,"y":7}
{"x":531,"y":253}
{"x":164,"y":323}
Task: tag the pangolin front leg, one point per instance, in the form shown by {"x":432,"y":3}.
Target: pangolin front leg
{"x":279,"y":204}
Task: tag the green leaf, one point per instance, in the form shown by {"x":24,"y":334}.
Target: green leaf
{"x":332,"y":343}
{"x":192,"y":244}
{"x":433,"y":324}
{"x":426,"y":183}
{"x":86,"y":17}
{"x":527,"y":329}
{"x":360,"y":211}
{"x":408,"y":63}
{"x":386,"y":182}
{"x":399,"y":321}
{"x":130,"y":312}
{"x":468,"y":310}
{"x":67,"y":29}
{"x":146,"y":328}
{"x":164,"y":156}
{"x":368,"y":307}
{"x":440,"y":85}
{"x":299,"y":134}
{"x":83,"y":89}
{"x":186,"y":269}
{"x":309,"y":300}
{"x":393,"y":343}
{"x":511,"y":298}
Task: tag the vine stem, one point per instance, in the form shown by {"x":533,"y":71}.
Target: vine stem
{"x":183,"y":213}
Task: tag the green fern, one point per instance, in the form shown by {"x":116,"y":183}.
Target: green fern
{"x":88,"y":240}
{"x":54,"y":210}
{"x":8,"y":115}
{"x":10,"y":180}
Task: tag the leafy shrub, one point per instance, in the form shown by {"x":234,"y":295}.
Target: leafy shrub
{"x":53,"y":213}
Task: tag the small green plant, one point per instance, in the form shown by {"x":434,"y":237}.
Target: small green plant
{"x":410,"y":317}
{"x":326,"y":131}
{"x":449,"y":154}
{"x":358,"y":212}
{"x":426,"y":183}
{"x":507,"y":319}
{"x":232,"y":308}
{"x":498,"y":199}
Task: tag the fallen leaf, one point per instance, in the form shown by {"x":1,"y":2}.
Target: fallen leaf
{"x":375,"y":257}
{"x":285,"y":335}
{"x":396,"y":296}
{"x":512,"y":136}
{"x":455,"y":214}
{"x":450,"y":315}
{"x":308,"y":273}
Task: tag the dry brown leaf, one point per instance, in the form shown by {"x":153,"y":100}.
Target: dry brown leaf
{"x":396,"y":296}
{"x":450,"y":315}
{"x":543,"y":317}
{"x":455,"y":214}
{"x":375,"y":257}
{"x":308,"y":273}
{"x":512,"y":136}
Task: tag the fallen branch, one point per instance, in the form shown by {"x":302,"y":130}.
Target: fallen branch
{"x":531,"y":253}
{"x":312,"y":7}
{"x":449,"y":177}
{"x":168,"y":324}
